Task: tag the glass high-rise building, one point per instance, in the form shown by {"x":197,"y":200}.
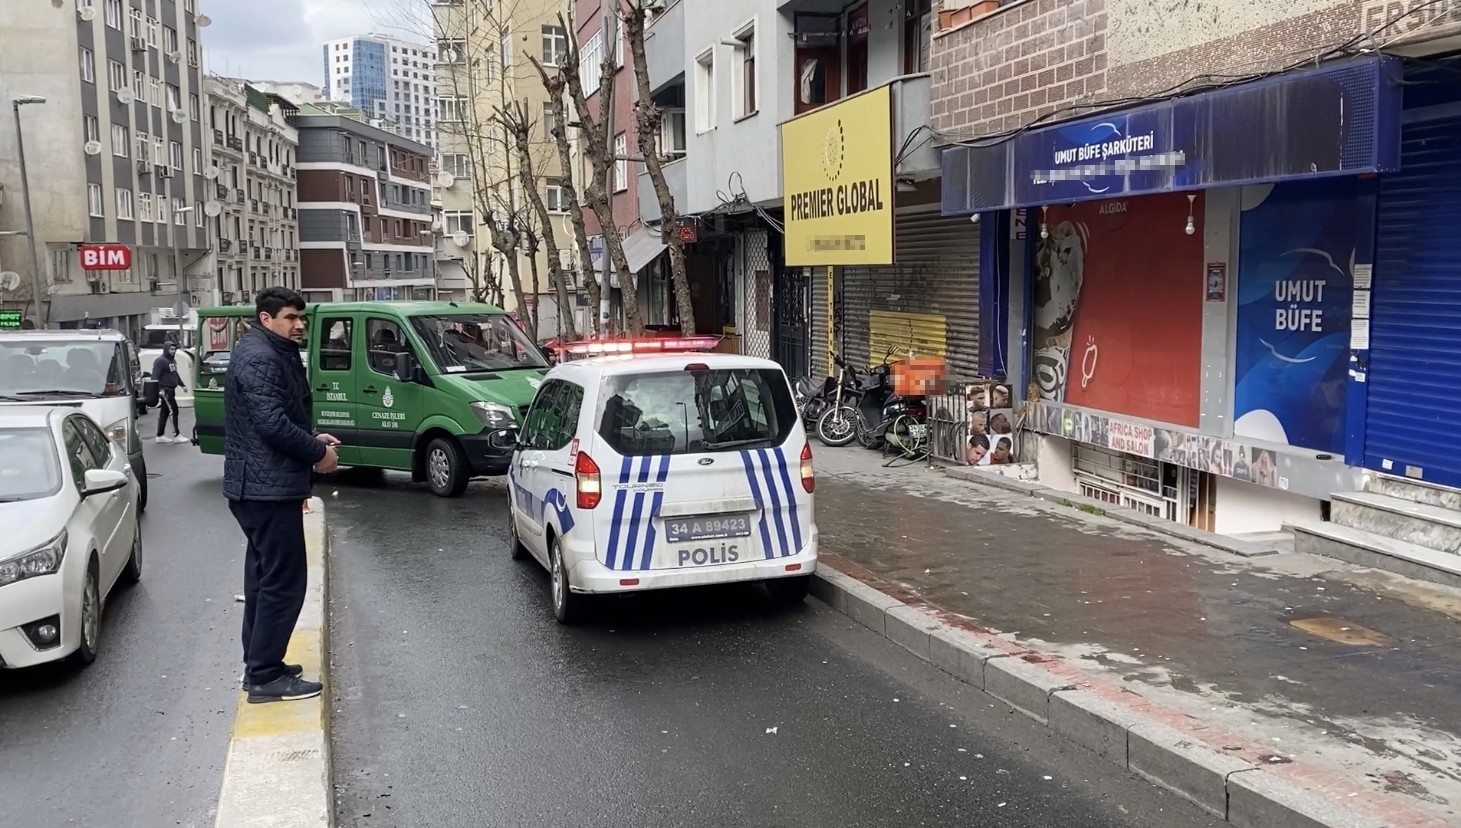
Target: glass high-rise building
{"x":392,"y":81}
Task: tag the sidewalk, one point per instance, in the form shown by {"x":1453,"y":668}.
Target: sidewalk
{"x":1350,"y":673}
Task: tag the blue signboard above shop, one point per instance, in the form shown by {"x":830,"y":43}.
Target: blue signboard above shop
{"x":1338,"y":120}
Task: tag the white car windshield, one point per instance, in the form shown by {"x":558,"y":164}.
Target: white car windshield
{"x":29,"y":466}
{"x":474,"y":343}
{"x":36,"y":369}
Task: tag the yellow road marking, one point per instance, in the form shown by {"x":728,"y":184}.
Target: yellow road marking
{"x":276,"y":718}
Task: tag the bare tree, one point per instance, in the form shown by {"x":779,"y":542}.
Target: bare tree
{"x":648,"y":118}
{"x":597,"y":143}
{"x":519,"y":125}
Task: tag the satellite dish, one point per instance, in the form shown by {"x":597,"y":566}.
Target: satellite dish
{"x":9,"y":280}
{"x":92,"y":147}
{"x":204,"y":20}
{"x":178,"y":117}
{"x":436,"y":224}
{"x":212,"y":208}
{"x":297,"y":92}
{"x":174,"y":56}
{"x":210,"y":173}
{"x":126,"y":96}
{"x":445,"y":179}
{"x":460,"y":237}
{"x":88,"y":13}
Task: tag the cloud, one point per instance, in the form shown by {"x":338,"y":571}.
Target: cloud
{"x":283,"y":39}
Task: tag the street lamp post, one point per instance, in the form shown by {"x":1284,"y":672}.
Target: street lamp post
{"x":177,"y":251}
{"x":30,"y":229}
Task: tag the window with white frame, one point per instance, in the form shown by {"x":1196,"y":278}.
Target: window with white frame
{"x":144,"y":206}
{"x":124,"y":203}
{"x":195,"y":109}
{"x":505,"y":53}
{"x":139,"y":85}
{"x":745,"y":78}
{"x":117,"y":75}
{"x":88,"y":65}
{"x":198,"y":215}
{"x":192,"y":52}
{"x":456,"y":163}
{"x":555,"y":45}
{"x":136,"y":29}
{"x":90,"y":128}
{"x":179,"y":213}
{"x":169,"y":39}
{"x":555,"y":196}
{"x":144,"y":147}
{"x":550,"y":121}
{"x":154,"y":32}
{"x":705,"y":91}
{"x":453,"y":109}
{"x":459,"y":222}
{"x":97,"y":200}
{"x":161,"y":209}
{"x":672,"y":133}
{"x":451,"y":50}
{"x":591,"y":63}
{"x":120,"y":140}
{"x":175,"y":154}
{"x":197,"y":160}
{"x":621,"y":162}
{"x":174,"y":99}
{"x":159,"y":149}
{"x":155,"y":94}
{"x":114,"y":14}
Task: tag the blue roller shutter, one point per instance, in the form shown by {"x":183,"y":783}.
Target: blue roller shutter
{"x":1413,"y":423}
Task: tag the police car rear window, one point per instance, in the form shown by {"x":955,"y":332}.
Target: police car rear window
{"x":690,"y":412}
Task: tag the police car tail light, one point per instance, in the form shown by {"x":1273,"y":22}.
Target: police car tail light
{"x":586,"y":473}
{"x":809,"y":479}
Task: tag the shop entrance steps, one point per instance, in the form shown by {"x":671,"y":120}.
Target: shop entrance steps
{"x":1399,"y":525}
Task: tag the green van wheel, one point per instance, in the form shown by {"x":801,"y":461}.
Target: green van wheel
{"x":446,"y":468}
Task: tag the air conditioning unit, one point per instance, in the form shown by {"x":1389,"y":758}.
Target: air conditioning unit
{"x":139,"y":44}
{"x":144,"y":167}
{"x":164,"y":171}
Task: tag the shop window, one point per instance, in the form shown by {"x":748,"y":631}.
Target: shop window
{"x":857,"y":49}
{"x":818,"y":61}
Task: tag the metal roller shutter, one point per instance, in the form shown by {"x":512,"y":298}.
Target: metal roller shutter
{"x":1413,"y":424}
{"x":821,"y":313}
{"x":936,"y":275}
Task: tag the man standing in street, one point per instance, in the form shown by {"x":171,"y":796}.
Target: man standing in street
{"x":270,"y":451}
{"x":165,"y":374}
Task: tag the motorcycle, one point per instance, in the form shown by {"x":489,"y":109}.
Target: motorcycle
{"x":837,"y":424}
{"x":813,"y":398}
{"x":900,"y":420}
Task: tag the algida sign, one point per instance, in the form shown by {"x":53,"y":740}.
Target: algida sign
{"x":837,"y":175}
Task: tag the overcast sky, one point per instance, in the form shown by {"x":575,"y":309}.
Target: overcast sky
{"x":281,"y":40}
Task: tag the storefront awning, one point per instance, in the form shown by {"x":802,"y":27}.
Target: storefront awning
{"x":1337,"y":120}
{"x":640,"y":247}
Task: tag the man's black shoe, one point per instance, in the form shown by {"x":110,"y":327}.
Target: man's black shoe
{"x":289,"y":670}
{"x":284,"y":688}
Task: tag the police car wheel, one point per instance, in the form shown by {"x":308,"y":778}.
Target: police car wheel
{"x":567,"y":607}
{"x":514,"y":543}
{"x":789,"y":590}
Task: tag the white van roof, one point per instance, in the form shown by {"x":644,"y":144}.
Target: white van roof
{"x":74,"y":335}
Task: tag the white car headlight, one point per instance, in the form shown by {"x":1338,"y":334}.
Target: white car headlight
{"x":42,"y":560}
{"x":117,"y":432}
{"x":493,"y":415}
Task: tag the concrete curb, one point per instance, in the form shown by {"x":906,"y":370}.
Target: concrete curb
{"x":1220,"y":772}
{"x":1246,"y":549}
{"x":278,"y":771}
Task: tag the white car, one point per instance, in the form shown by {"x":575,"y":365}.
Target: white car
{"x":648,"y":471}
{"x":68,"y":502}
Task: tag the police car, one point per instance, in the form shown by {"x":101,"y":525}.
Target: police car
{"x":652,"y":464}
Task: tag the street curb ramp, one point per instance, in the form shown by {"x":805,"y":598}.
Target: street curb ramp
{"x":1222,"y":773}
{"x":278,"y":771}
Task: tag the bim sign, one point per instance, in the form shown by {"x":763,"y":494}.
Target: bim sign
{"x":106,"y":257}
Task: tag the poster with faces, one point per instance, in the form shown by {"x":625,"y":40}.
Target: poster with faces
{"x":991,"y":425}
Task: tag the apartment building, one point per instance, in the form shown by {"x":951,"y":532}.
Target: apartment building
{"x":772,"y":108}
{"x":109,"y":98}
{"x":254,"y":179}
{"x":483,"y":68}
{"x":392,"y":81}
{"x":365,"y":214}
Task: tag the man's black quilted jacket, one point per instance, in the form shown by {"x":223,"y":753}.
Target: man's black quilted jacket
{"x":269,"y":445}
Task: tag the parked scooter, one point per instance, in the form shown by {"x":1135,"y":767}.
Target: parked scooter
{"x":836,"y":425}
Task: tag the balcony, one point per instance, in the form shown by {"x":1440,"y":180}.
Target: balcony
{"x":664,"y":46}
{"x":675,"y":178}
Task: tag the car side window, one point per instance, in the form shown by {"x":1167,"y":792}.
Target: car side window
{"x":569,"y":403}
{"x":539,"y":415}
{"x":335,"y":342}
{"x":96,"y":441}
{"x":385,"y":341}
{"x":78,"y":454}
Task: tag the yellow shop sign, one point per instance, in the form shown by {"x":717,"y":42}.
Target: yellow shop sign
{"x":837,"y":176}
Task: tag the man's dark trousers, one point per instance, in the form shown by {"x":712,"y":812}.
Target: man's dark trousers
{"x":276,"y":574}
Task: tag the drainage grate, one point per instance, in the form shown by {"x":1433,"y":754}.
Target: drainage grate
{"x":303,"y":755}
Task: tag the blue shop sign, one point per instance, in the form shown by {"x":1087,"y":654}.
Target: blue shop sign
{"x":1337,"y":120}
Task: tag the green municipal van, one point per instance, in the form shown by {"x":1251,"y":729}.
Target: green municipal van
{"x":433,"y":388}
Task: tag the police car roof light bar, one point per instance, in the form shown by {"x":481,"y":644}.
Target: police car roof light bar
{"x":627,"y":347}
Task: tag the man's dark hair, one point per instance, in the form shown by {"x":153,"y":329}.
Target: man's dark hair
{"x":979,"y":440}
{"x":272,"y":300}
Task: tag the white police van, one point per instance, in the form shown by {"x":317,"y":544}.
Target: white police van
{"x":650,"y":464}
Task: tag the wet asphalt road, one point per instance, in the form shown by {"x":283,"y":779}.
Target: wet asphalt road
{"x":138,"y":739}
{"x":459,"y":701}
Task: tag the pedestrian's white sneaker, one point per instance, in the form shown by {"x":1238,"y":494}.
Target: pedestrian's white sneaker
{"x":164,"y":439}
